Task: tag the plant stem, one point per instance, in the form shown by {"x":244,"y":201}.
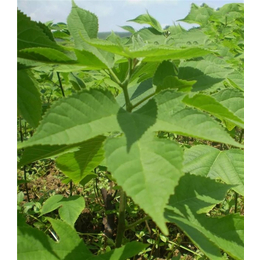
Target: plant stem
{"x":121,"y":219}
{"x":141,"y":101}
{"x":137,"y":222}
{"x":71,"y":188}
{"x":236,"y":197}
{"x":62,"y":90}
{"x":128,"y":103}
{"x":24,"y":167}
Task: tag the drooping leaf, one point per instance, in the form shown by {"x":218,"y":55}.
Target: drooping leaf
{"x":34,"y":244}
{"x":77,"y":118}
{"x":151,"y":167}
{"x":173,"y":116}
{"x":38,"y":152}
{"x":210,"y":162}
{"x":148,"y":19}
{"x":212,"y":106}
{"x":69,"y":208}
{"x":80,"y":163}
{"x":193,"y":197}
{"x":28,"y":98}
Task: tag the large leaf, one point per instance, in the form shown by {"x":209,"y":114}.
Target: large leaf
{"x":148,"y":19}
{"x":46,"y":55}
{"x":209,"y":161}
{"x":83,"y":25}
{"x":80,"y":163}
{"x":34,"y":244}
{"x":208,"y":74}
{"x":148,"y":172}
{"x":31,"y":34}
{"x":199,"y":15}
{"x":233,"y":100}
{"x":77,"y":118}
{"x":212,"y":106}
{"x":29,"y":98}
{"x":173,"y":116}
{"x":69,"y":208}
{"x":150,"y":52}
{"x":193,"y":197}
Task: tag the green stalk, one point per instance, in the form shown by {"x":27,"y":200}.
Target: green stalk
{"x":24,"y":167}
{"x":121,"y":220}
{"x":236,"y":195}
{"x":63,"y":94}
{"x":62,"y":90}
{"x":137,"y":222}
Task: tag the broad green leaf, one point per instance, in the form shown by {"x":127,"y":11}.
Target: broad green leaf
{"x":212,"y":106}
{"x":83,"y":25}
{"x":28,"y":98}
{"x":77,"y":118}
{"x":193,"y":37}
{"x":89,"y":60}
{"x":144,"y":71}
{"x":69,"y":208}
{"x":150,"y":161}
{"x":151,"y":35}
{"x":34,"y":244}
{"x":208,"y":74}
{"x":80,"y":163}
{"x":213,"y":163}
{"x":109,"y":46}
{"x":148,"y":19}
{"x":193,"y":197}
{"x":165,"y":78}
{"x":198,"y":15}
{"x":166,"y":68}
{"x":31,"y":34}
{"x":38,"y":152}
{"x":160,"y":53}
{"x":149,"y":52}
{"x":233,"y":100}
{"x":173,"y":116}
{"x":46,"y":55}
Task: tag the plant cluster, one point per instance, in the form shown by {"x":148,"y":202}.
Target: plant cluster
{"x":146,"y":130}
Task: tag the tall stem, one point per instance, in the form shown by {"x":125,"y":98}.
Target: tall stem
{"x":62,"y":90}
{"x":63,"y":94}
{"x":121,"y":219}
{"x":24,"y":167}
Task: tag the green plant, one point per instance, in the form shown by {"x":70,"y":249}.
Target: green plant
{"x":152,"y":110}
